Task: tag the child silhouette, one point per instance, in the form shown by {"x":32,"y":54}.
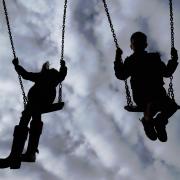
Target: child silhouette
{"x":40,"y":96}
{"x":146,"y":72}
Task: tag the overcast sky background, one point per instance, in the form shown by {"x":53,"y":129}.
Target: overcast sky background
{"x":93,"y":137}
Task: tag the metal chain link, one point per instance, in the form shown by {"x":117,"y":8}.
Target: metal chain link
{"x":13,"y":51}
{"x":171,"y":22}
{"x":62,"y":46}
{"x":63,"y":30}
{"x":9,"y":29}
{"x":171,"y":90}
{"x":110,"y":23}
{"x":128,"y":95}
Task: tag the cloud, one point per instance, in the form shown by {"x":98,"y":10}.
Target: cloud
{"x":93,"y":137}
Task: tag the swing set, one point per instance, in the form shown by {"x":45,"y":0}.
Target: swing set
{"x":59,"y":105}
{"x":130,"y":107}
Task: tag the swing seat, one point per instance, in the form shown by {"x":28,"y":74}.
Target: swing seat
{"x":138,"y":109}
{"x":134,"y":108}
{"x":53,"y":107}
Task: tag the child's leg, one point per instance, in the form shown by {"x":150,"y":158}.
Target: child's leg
{"x":35,"y":131}
{"x":20,"y":135}
{"x":148,"y":121}
{"x":168,"y":108}
{"x":26,"y":116}
{"x":150,"y":111}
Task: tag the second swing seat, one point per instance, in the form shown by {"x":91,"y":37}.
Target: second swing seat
{"x":139,"y":109}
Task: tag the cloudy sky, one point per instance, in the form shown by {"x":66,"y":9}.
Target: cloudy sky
{"x":93,"y":137}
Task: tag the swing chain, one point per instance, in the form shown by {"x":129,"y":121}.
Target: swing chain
{"x":171,"y":90}
{"x":63,"y":30}
{"x":9,"y":29}
{"x":171,"y":23}
{"x":110,"y":23}
{"x":60,"y":93}
{"x":62,"y":46}
{"x":13,"y":51}
{"x":128,"y":95}
{"x":25,"y":100}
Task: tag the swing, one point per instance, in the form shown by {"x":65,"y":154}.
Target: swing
{"x":55,"y":106}
{"x":130,"y":107}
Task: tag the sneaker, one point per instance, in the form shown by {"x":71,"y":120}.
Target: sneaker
{"x":161,"y":130}
{"x":149,"y":129}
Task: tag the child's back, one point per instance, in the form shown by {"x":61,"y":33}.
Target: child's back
{"x":146,"y":72}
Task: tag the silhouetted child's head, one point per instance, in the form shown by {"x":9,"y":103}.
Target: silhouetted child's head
{"x":45,"y":66}
{"x":138,"y":42}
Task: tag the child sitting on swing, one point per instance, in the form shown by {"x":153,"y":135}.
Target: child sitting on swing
{"x":146,"y":72}
{"x":40,"y":96}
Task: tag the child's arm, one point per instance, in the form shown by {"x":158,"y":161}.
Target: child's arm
{"x":22,"y":72}
{"x":172,"y":64}
{"x":120,"y":68}
{"x":63,"y":71}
